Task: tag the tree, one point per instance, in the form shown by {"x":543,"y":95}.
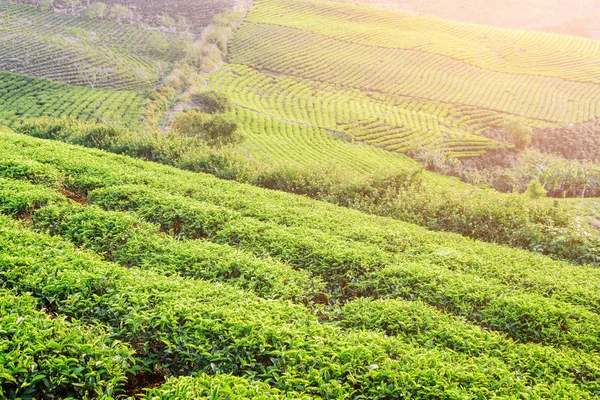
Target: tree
{"x":222,"y":131}
{"x":518,"y":134}
{"x":72,"y":5}
{"x":96,"y":11}
{"x":92,"y":76}
{"x":157,"y":45}
{"x":121,"y":13}
{"x":215,"y":131}
{"x":45,"y":5}
{"x":168,"y":22}
{"x":535,"y":190}
{"x":212,"y":102}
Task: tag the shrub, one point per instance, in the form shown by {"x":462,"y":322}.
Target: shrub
{"x":535,"y":190}
{"x":96,"y":11}
{"x":215,"y":131}
{"x":121,"y":13}
{"x":212,"y":102}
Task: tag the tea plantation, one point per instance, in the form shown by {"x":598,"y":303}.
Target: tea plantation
{"x":146,"y":276}
{"x":405,"y":82}
{"x":217,"y":200}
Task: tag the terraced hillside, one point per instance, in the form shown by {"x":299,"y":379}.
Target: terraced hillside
{"x":405,"y":82}
{"x":188,"y":14}
{"x":79,"y":51}
{"x":241,"y":292}
{"x":575,"y":18}
{"x":272,"y":140}
{"x":23,"y":97}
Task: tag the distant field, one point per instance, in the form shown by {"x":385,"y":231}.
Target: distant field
{"x":568,"y":17}
{"x":82,"y":52}
{"x":393,"y":123}
{"x":23,"y":97}
{"x":197,"y":13}
{"x":405,"y":82}
{"x":274,"y":140}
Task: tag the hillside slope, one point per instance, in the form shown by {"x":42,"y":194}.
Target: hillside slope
{"x":574,"y":18}
{"x":404,"y":82}
{"x":198,"y":275}
{"x":84,"y":52}
{"x":24,"y":97}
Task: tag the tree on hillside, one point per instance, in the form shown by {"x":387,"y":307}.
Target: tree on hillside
{"x":121,"y":13}
{"x":96,"y":11}
{"x":215,"y":131}
{"x":212,"y":102}
{"x":92,"y":76}
{"x":183,"y":23}
{"x":535,"y":190}
{"x":157,"y":45}
{"x":72,"y":5}
{"x":168,"y":22}
{"x":45,"y":5}
{"x":518,"y":134}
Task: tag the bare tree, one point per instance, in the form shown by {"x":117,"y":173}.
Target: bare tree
{"x":92,"y":76}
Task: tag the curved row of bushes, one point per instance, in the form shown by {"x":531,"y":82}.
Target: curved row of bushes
{"x":405,"y":195}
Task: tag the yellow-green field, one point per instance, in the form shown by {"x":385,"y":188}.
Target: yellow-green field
{"x":404,"y":82}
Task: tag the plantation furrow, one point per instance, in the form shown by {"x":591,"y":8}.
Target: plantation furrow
{"x":144,"y":247}
{"x":572,"y":361}
{"x":338,"y":260}
{"x":427,"y":327}
{"x":337,"y":66}
{"x":183,"y":217}
{"x":490,"y":217}
{"x":342,"y":108}
{"x":25,"y":97}
{"x":99,"y":230}
{"x":520,"y":51}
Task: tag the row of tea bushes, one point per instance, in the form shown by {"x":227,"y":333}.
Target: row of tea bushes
{"x":180,"y":326}
{"x":42,"y":356}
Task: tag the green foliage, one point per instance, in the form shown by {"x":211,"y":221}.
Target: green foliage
{"x":118,"y":53}
{"x":518,"y":134}
{"x":45,"y":356}
{"x":212,"y":102}
{"x":220,"y":386}
{"x":121,"y":13}
{"x":96,"y":10}
{"x":401,"y":193}
{"x":143,"y":246}
{"x":535,"y":190}
{"x":183,"y":326}
{"x":413,"y":313}
{"x":19,"y":198}
{"x":25,"y":98}
{"x":215,"y":131}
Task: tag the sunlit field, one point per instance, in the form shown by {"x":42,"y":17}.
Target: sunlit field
{"x":299,"y":199}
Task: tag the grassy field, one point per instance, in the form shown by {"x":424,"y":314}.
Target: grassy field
{"x":405,"y":82}
{"x":234,"y":289}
